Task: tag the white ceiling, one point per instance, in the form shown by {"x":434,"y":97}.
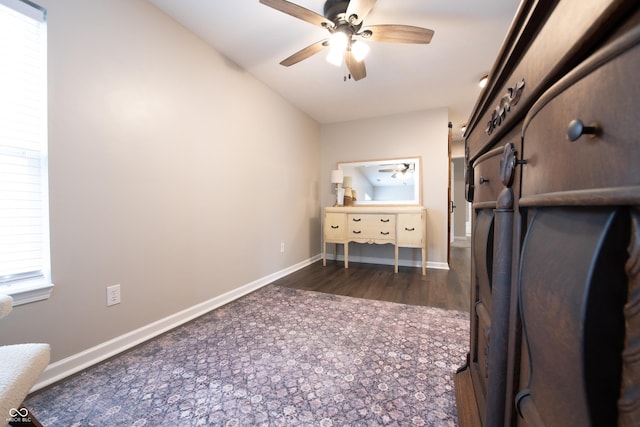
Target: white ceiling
{"x":400,"y":77}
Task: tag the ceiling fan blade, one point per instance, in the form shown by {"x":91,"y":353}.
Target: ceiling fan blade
{"x":398,"y":34}
{"x":356,"y":69}
{"x":298,"y":12}
{"x":305,"y":53}
{"x":358,"y":9}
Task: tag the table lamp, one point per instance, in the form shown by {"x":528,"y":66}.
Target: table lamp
{"x":336,"y":178}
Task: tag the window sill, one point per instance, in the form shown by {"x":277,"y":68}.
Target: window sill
{"x":27,"y":291}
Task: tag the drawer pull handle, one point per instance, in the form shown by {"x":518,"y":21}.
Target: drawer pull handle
{"x":335,"y":227}
{"x":384,"y":219}
{"x":410,"y":229}
{"x":357,"y":219}
{"x":576,"y":129}
{"x":356,"y":232}
{"x":483,"y":180}
{"x":384,"y":233}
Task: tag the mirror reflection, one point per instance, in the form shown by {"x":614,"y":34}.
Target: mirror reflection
{"x":386,"y":181}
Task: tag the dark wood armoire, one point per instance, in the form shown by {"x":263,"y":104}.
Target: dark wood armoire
{"x":553,"y":172}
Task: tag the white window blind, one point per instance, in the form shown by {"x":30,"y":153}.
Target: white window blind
{"x":24,"y":230}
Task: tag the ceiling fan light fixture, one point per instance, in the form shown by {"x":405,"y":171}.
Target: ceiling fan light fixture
{"x":338,"y":43}
{"x":359,"y":50}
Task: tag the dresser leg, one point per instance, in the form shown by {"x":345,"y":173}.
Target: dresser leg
{"x":346,"y":254}
{"x":395,"y":267}
{"x":324,"y":254}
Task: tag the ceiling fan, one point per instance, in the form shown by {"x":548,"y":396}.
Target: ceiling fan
{"x":344,"y":21}
{"x":402,"y":168}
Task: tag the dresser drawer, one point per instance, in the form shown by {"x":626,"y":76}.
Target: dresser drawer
{"x":602,"y":91}
{"x":544,"y":60}
{"x":371,"y":227}
{"x":410,"y":230}
{"x":335,"y":227}
{"x":486,"y":177}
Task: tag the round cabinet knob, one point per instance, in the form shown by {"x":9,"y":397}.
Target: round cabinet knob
{"x":508,"y":164}
{"x":576,"y":129}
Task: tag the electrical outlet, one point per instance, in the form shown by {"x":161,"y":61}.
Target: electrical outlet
{"x":113,"y":295}
{"x":282,"y":247}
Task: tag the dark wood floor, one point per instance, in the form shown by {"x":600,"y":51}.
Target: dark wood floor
{"x":438,"y":288}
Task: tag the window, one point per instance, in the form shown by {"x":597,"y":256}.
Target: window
{"x":24,"y":213}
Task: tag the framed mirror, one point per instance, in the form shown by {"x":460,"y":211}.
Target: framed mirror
{"x":386,"y":181}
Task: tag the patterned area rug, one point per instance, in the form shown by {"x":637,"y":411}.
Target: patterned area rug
{"x":277,"y":357}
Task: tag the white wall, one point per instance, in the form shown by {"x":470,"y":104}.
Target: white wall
{"x":158,"y":178}
{"x":457,"y":149}
{"x":457,"y":193}
{"x":172,"y":173}
{"x":458,"y":189}
{"x":422,"y":133}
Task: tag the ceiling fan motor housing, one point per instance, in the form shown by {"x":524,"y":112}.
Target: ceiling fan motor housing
{"x":334,"y":8}
{"x":335,"y":11}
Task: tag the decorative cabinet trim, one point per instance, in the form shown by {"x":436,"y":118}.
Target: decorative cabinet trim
{"x":628,"y":404}
{"x":510,"y":99}
{"x":399,"y":226}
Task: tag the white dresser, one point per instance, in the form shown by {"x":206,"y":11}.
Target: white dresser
{"x":401,"y":226}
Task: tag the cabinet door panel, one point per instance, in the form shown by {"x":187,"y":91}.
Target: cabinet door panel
{"x":483,"y":255}
{"x":572,"y":291}
{"x":335,"y":227}
{"x":410,"y":230}
{"x":482,"y":265}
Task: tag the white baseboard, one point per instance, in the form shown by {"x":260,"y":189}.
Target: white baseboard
{"x":437,"y":265}
{"x":75,"y":363}
{"x":390,"y":261}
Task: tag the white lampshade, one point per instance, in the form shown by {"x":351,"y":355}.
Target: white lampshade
{"x":338,"y":43}
{"x":359,"y":50}
{"x":336,"y":176}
